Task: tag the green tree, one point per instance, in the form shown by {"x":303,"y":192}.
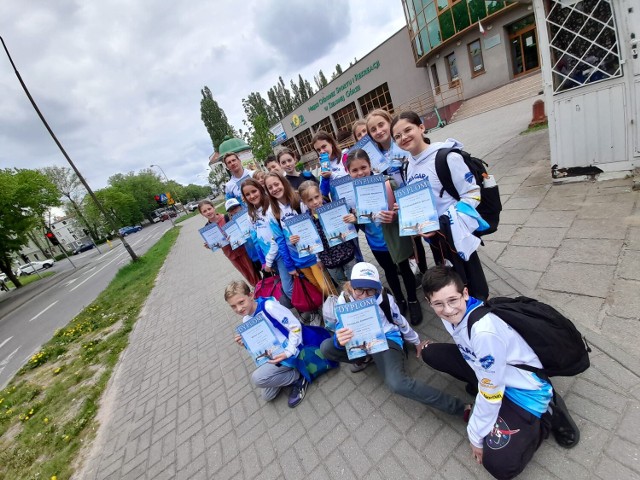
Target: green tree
{"x":337,"y":73}
{"x":218,"y":176}
{"x":143,"y":187}
{"x":69,"y":185}
{"x":255,"y":105}
{"x":123,"y":206}
{"x":26,"y":194}
{"x":193,"y":192}
{"x":321,"y":80}
{"x":214,"y":119}
{"x":260,"y":138}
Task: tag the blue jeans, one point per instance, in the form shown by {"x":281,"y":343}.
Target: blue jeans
{"x":285,"y":278}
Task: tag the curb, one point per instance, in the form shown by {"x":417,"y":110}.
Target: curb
{"x":594,"y":338}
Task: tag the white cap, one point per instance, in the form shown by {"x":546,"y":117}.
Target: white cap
{"x":365,"y":275}
{"x":229,"y":204}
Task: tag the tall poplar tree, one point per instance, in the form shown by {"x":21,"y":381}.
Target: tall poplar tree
{"x":214,"y":119}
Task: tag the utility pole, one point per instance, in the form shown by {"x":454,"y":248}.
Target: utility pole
{"x":134,"y":257}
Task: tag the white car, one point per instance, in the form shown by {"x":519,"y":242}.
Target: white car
{"x":28,"y":269}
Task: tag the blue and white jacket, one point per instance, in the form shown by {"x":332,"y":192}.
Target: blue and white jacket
{"x":232,"y":188}
{"x":492,"y":350}
{"x":285,"y":248}
{"x":337,"y":171}
{"x":262,"y":237}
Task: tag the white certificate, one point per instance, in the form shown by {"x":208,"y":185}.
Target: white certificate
{"x":363,"y":318}
{"x":310,"y":242}
{"x":242,"y":220}
{"x":260,"y":339}
{"x":371,"y":197}
{"x":214,"y":236}
{"x":417,"y":212}
{"x":234,"y":234}
{"x":335,"y":228}
{"x":379,"y":162}
{"x":343,"y":188}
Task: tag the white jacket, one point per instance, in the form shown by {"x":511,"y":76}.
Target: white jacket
{"x":491,"y":352}
{"x":423,"y":167}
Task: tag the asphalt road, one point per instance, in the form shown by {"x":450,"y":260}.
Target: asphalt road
{"x":59,"y":299}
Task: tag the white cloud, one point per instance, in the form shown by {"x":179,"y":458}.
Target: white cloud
{"x":119,"y":82}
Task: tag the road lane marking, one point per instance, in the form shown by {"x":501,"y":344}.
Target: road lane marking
{"x":44,"y":310}
{"x":94,"y":273}
{"x":70,"y":282}
{"x":2,"y":344}
{"x":6,"y":360}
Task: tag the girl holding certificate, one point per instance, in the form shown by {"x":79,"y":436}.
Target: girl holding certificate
{"x":287,"y":159}
{"x":459,"y":245}
{"x":238,"y":257}
{"x":258,"y":206}
{"x":285,"y":203}
{"x":324,"y":142}
{"x":339,"y":259}
{"x":379,"y":128}
{"x":387,"y":246}
{"x":279,"y":371}
{"x":365,"y":283}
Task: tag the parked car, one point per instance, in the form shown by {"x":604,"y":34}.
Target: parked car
{"x":124,"y":231}
{"x":83,"y":248}
{"x":191,"y":206}
{"x":29,"y":268}
{"x":168,"y":214}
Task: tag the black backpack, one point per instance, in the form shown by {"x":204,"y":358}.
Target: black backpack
{"x":490,"y":205}
{"x":561,"y":348}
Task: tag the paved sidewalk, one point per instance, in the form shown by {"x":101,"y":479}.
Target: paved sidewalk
{"x":180,"y":404}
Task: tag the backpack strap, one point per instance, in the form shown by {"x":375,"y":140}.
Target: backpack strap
{"x":444,"y":172}
{"x":385,"y":306}
{"x":480,"y":312}
{"x":261,"y":306}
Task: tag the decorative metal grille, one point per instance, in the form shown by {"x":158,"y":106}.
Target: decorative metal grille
{"x":583,"y":43}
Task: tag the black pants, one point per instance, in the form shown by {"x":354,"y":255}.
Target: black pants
{"x":517,"y":434}
{"x":386,"y":263}
{"x":421,"y":256}
{"x":470,"y":271}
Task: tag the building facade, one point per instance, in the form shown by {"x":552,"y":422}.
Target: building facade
{"x":475,"y":45}
{"x":69,"y":233}
{"x":384,"y":78}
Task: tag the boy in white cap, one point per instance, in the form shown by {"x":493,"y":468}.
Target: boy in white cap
{"x":365,"y":283}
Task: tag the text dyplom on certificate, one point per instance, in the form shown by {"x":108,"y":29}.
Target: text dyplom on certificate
{"x":302,"y":225}
{"x":363,"y":318}
{"x":214,"y":236}
{"x":335,"y":229}
{"x":234,"y":234}
{"x":343,"y":188}
{"x":244,"y":224}
{"x":379,"y":162}
{"x":371,"y":197}
{"x":260,"y":339}
{"x":417,"y":212}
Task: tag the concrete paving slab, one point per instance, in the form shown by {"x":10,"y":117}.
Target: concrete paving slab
{"x":526,"y":258}
{"x":561,"y":218}
{"x":596,"y":228}
{"x":578,"y":278}
{"x":591,"y":251}
{"x":581,"y":309}
{"x":539,"y":236}
{"x":514,"y":217}
{"x":630,"y":265}
{"x":516,"y":202}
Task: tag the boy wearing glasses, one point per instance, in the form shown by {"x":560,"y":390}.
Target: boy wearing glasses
{"x":511,"y":415}
{"x":365,"y":283}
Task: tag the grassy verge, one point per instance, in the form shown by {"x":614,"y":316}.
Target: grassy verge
{"x":186,"y":217}
{"x":535,"y":128}
{"x":30,"y":279}
{"x":48,"y":410}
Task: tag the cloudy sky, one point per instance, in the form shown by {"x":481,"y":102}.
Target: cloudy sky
{"x":119,"y":81}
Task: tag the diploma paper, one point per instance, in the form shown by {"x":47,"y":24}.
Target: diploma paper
{"x":371,"y":197}
{"x":379,"y":162}
{"x":335,"y":229}
{"x":363,"y":318}
{"x":417,"y":212}
{"x":244,"y":224}
{"x":302,"y":225}
{"x":234,"y":234}
{"x":214,"y":236}
{"x":343,"y":188}
{"x":260,"y":339}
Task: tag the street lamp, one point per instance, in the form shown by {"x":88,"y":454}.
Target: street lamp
{"x":167,"y":179}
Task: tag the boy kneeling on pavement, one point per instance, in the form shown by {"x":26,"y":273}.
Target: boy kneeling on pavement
{"x":514,"y":408}
{"x":365,"y":283}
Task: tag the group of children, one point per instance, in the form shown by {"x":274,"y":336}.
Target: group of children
{"x":513,"y":409}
